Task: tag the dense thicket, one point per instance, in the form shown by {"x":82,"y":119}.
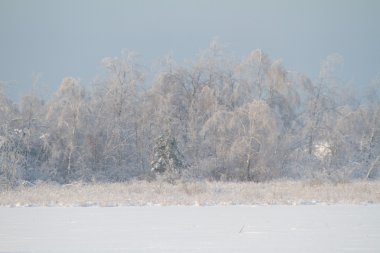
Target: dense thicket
{"x":229,"y":119}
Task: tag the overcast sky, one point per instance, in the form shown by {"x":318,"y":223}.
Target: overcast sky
{"x":54,"y":39}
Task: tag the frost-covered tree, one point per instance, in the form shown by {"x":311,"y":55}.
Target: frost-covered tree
{"x":11,"y":159}
{"x":65,"y":113}
{"x":244,"y":141}
{"x":248,"y":119}
{"x":34,"y":128}
{"x":321,"y":107}
{"x":372,"y":158}
{"x":252,"y":74}
{"x":116,"y":147}
{"x":166,"y":156}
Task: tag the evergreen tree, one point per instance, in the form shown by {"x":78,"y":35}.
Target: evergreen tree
{"x":166,"y":155}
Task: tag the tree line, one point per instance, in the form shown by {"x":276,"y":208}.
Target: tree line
{"x":228,"y":119}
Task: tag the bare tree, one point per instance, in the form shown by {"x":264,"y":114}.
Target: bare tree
{"x":64,"y":138}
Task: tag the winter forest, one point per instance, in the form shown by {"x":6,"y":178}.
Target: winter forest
{"x":214,"y":118}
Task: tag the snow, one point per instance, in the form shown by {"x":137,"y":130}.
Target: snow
{"x":277,"y":228}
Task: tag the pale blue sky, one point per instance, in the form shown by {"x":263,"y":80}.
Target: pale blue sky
{"x":55,"y":39}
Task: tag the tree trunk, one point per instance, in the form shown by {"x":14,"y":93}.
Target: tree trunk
{"x":248,"y":168}
{"x":371,"y":167}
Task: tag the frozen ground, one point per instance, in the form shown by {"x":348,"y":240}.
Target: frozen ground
{"x":277,"y":228}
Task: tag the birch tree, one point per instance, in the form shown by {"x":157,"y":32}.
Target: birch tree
{"x":65,"y":116}
{"x":118,"y":110}
{"x":11,"y":159}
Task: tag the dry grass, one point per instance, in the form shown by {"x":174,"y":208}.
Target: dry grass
{"x":191,"y":193}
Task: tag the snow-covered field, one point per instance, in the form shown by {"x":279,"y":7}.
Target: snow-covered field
{"x":263,"y":228}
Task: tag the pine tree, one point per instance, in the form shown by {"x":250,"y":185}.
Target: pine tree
{"x":166,"y":156}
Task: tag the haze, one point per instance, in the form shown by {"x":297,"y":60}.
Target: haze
{"x":44,"y":41}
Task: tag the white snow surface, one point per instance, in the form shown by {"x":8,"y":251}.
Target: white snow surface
{"x":302,"y":228}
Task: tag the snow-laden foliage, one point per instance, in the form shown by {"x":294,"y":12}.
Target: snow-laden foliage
{"x":229,"y":119}
{"x":166,"y":156}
